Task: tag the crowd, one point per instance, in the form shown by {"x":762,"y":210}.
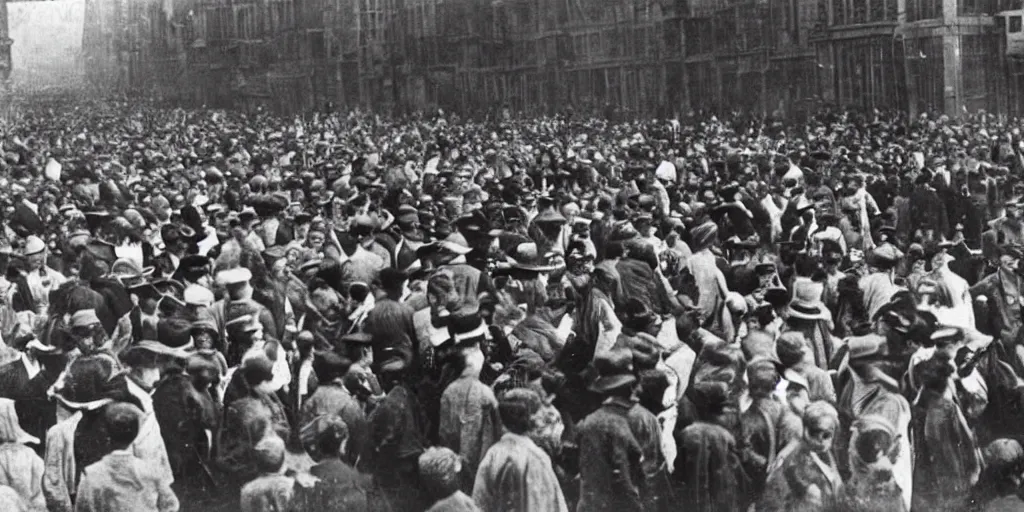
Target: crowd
{"x":223,"y":311}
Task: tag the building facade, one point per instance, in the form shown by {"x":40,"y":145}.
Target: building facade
{"x":615,"y":57}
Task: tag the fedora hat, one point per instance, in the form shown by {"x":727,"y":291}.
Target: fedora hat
{"x":525,"y":256}
{"x":614,"y":371}
{"x":805,"y":310}
{"x":129,"y":272}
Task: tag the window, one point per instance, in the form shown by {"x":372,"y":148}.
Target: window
{"x":1015,"y":24}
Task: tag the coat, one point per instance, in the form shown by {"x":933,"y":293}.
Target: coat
{"x":120,"y":481}
{"x":516,"y":476}
{"x":187,"y":420}
{"x":708,"y":470}
{"x":996,"y":307}
{"x":611,"y":470}
{"x":469,"y":421}
{"x":332,"y":398}
{"x":392,"y":452}
{"x":811,"y":469}
{"x":948,"y":461}
{"x":22,"y":470}
{"x":60,"y":477}
{"x":341,"y":487}
{"x":278,"y":493}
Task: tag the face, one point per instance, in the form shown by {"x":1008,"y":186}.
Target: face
{"x":1008,"y":263}
{"x":316,"y":240}
{"x":798,"y":399}
{"x":818,"y":435}
{"x":1012,"y":212}
{"x":203,"y":340}
{"x":148,"y":377}
{"x":36,"y":261}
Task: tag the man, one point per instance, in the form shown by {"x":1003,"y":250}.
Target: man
{"x":145,"y":362}
{"x":999,"y":296}
{"x":390,"y":322}
{"x":120,"y":480}
{"x":953,"y":287}
{"x":333,"y":398}
{"x":516,"y":474}
{"x":396,"y":439}
{"x":879,"y":286}
{"x":239,"y":301}
{"x":1006,"y":230}
{"x":469,"y":421}
{"x":341,"y":486}
{"x":41,"y":279}
{"x":611,"y":473}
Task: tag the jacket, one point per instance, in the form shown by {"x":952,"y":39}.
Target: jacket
{"x":120,"y":481}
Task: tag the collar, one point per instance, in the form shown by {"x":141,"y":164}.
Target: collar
{"x":32,"y":367}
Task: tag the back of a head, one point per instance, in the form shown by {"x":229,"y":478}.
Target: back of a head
{"x":122,"y":422}
{"x":330,"y":366}
{"x":270,"y":453}
{"x":517,"y":407}
{"x":439,"y":471}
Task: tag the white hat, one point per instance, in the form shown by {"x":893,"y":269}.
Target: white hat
{"x":234,"y":276}
{"x":34,"y":245}
{"x":196,"y":295}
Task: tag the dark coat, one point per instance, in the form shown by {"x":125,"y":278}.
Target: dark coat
{"x":708,"y":470}
{"x":611,"y":473}
{"x":392,"y":453}
{"x":988,"y":313}
{"x":184,"y":415}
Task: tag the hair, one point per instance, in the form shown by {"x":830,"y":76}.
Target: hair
{"x":332,"y":435}
{"x":791,"y":348}
{"x":439,"y":471}
{"x":122,"y":422}
{"x":517,"y":407}
{"x":818,"y":411}
{"x":392,"y":279}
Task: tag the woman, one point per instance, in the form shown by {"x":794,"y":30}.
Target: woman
{"x":804,"y":477}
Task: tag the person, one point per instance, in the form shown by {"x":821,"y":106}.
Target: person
{"x":768,"y":425}
{"x":41,"y":278}
{"x":439,"y":470}
{"x":274,"y":489}
{"x":21,"y":469}
{"x":708,"y":473}
{"x":515,"y":474}
{"x":341,"y":487}
{"x":333,"y":398}
{"x":390,"y":322}
{"x":469,"y":422}
{"x":791,"y":349}
{"x":396,"y":439}
{"x":611,"y":474}
{"x":998,"y":487}
{"x":948,"y":461}
{"x":999,"y":293}
{"x":804,"y":475}
{"x":709,"y":279}
{"x":120,"y":480}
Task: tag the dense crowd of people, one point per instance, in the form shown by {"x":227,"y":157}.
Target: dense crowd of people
{"x":223,"y":311}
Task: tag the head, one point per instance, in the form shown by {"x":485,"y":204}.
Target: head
{"x":122,"y":422}
{"x":517,"y":408}
{"x":270,"y":454}
{"x":440,"y":469}
{"x":326,"y":436}
{"x":258,"y":373}
{"x":145,"y":366}
{"x":791,"y":348}
{"x":820,"y":423}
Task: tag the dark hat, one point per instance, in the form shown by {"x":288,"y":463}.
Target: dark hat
{"x":392,"y":360}
{"x":614,"y":371}
{"x":1011,"y":250}
{"x":89,"y":383}
{"x":195,"y":263}
{"x":466,"y":328}
{"x":710,"y":396}
{"x":358,"y":338}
